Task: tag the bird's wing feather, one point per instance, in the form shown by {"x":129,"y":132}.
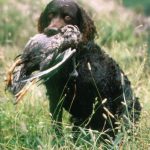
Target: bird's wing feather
{"x":61,"y":58}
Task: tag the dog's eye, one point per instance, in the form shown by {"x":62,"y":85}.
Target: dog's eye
{"x":51,"y":15}
{"x":68,"y":18}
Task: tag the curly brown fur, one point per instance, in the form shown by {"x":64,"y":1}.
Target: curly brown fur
{"x":99,"y":76}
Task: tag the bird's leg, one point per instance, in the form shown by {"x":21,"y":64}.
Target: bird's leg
{"x":23,"y":91}
{"x":9,"y":75}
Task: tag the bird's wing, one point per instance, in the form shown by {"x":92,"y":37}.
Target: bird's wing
{"x":60,"y":60}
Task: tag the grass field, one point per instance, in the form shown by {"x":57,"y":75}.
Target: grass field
{"x":27,"y":125}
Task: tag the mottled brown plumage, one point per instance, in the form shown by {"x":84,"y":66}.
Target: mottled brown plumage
{"x":42,"y":52}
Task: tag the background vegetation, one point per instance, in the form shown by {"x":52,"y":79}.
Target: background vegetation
{"x":123,"y":33}
{"x":139,"y":6}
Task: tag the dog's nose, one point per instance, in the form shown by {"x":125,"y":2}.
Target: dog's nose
{"x":57,"y":22}
{"x":54,"y":26}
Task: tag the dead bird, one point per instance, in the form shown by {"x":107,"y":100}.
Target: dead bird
{"x":41,"y":52}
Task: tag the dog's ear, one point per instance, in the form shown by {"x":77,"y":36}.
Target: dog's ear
{"x":43,"y":20}
{"x":87,"y":27}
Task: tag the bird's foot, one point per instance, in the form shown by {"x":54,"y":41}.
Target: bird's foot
{"x":21,"y":93}
{"x":9,"y":76}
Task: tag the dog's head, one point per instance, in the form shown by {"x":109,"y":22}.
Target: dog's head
{"x":59,"y":13}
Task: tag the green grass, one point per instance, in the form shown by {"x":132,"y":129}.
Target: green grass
{"x":138,"y":5}
{"x":27,"y":126}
